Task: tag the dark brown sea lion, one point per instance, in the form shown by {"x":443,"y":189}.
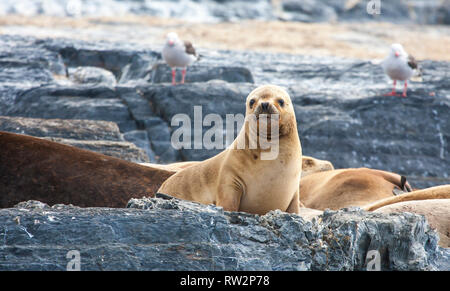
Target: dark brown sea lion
{"x":36,"y":169}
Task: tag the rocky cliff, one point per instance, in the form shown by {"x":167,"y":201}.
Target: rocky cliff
{"x":159,"y":234}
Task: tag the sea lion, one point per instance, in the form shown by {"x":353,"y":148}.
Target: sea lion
{"x":36,"y":169}
{"x":310,"y":165}
{"x":246,"y":176}
{"x":349,"y":187}
{"x":438,"y":192}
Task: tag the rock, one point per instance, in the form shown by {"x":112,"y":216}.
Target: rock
{"x":140,"y":67}
{"x":410,"y":11}
{"x":435,"y":210}
{"x":307,"y":11}
{"x":198,"y":73}
{"x":119,"y":149}
{"x":62,"y":128}
{"x":141,"y":140}
{"x":93,"y":103}
{"x":179,"y":235}
{"x":421,"y":12}
{"x":125,"y":64}
{"x":92,"y":76}
{"x":159,"y":134}
{"x":25,"y":65}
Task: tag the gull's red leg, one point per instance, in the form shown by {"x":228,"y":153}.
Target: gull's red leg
{"x":393,"y":90}
{"x":183,"y":75}
{"x":405,"y":88}
{"x":174,"y":72}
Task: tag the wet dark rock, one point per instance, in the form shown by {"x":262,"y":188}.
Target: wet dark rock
{"x":92,"y":103}
{"x":140,"y":67}
{"x":100,"y":55}
{"x":159,"y":234}
{"x":201,"y":73}
{"x":159,"y":134}
{"x":307,"y":11}
{"x":25,"y":65}
{"x":141,"y":140}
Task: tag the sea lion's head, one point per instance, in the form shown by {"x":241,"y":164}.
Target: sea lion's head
{"x":268,"y":103}
{"x":311,"y":165}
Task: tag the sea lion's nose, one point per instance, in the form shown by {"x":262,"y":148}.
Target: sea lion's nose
{"x":265,"y":105}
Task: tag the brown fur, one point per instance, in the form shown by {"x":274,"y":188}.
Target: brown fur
{"x":37,"y":169}
{"x":238,"y":179}
{"x":347,"y":187}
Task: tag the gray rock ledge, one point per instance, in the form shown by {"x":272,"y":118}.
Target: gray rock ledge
{"x":160,"y":234}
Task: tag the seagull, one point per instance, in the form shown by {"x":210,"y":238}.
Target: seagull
{"x":399,"y":66}
{"x":178,"y":54}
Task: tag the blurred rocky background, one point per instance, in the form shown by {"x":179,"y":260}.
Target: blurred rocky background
{"x":402,"y":11}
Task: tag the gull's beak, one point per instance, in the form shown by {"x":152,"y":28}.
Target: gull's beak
{"x":397,"y":54}
{"x":171,"y":42}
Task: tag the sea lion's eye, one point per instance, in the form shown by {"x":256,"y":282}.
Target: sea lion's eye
{"x":251,"y":103}
{"x":281,"y":102}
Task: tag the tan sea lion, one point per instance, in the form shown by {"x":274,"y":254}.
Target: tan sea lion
{"x":244,"y":178}
{"x":312,"y":165}
{"x":349,"y":187}
{"x":37,"y":169}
